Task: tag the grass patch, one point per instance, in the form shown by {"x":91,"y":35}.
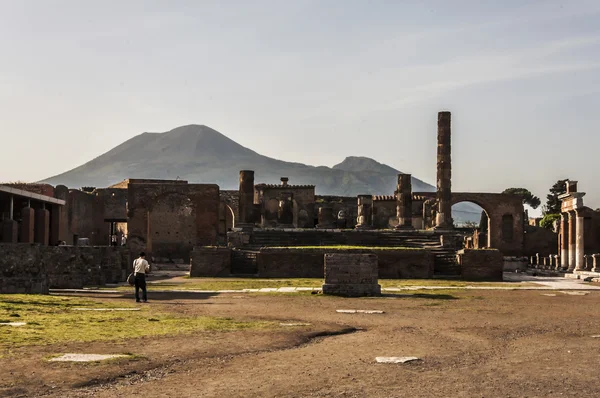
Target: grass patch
{"x":52,"y":319}
{"x":214,"y":284}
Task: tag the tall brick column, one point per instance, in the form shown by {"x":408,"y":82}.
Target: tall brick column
{"x":444,"y":172}
{"x":42,"y":226}
{"x":27,"y":225}
{"x":404,"y":201}
{"x":246,"y":192}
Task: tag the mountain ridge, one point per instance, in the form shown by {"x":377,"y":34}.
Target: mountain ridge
{"x":201,"y":154}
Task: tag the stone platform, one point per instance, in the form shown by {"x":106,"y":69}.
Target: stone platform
{"x":351,"y":275}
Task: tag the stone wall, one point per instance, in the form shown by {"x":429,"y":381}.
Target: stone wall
{"x":351,"y":275}
{"x":32,"y":268}
{"x":405,"y":264}
{"x":21,"y":271}
{"x":481,"y":264}
{"x":309,"y":263}
{"x":210,"y":262}
{"x":73,"y":267}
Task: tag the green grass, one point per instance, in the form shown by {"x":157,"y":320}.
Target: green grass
{"x":259,"y":283}
{"x":344,"y":247}
{"x":52,"y":319}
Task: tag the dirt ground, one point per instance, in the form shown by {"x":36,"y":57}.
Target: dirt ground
{"x":471,"y":344}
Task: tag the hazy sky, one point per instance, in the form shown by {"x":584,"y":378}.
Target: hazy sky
{"x":310,"y":81}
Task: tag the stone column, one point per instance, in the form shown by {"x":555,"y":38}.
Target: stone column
{"x":42,"y":226}
{"x":564,"y":241}
{"x":596,"y":262}
{"x":365,"y":204}
{"x":557,"y":264}
{"x":404,"y":201}
{"x":444,"y":172}
{"x":579,"y":242}
{"x":246,"y":192}
{"x":27,"y":225}
{"x":571,"y":245}
{"x":326,"y":218}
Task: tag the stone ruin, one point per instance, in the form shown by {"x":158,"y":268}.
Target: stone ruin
{"x":351,"y":275}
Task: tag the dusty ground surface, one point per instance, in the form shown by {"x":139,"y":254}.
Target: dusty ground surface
{"x":472,"y":344}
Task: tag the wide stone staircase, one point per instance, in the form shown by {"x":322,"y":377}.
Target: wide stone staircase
{"x":244,"y":261}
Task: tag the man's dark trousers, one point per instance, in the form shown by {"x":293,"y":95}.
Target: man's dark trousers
{"x":140,"y":283}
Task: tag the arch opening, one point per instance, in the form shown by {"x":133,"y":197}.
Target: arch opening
{"x":475,"y":222}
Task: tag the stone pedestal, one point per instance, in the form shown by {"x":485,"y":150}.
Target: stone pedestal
{"x":444,"y":172}
{"x":42,"y":226}
{"x":10,"y":231}
{"x":404,"y":201}
{"x":326,"y":218}
{"x":27,"y":225}
{"x":351,"y":275}
{"x":365,"y":206}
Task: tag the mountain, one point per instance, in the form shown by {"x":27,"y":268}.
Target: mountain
{"x":200,"y":154}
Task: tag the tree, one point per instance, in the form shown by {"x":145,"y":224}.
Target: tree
{"x":528,"y":198}
{"x":553,"y":203}
{"x":548,"y":220}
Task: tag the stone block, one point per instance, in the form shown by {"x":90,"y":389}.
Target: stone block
{"x":481,"y":264}
{"x":351,"y":275}
{"x":210,"y":262}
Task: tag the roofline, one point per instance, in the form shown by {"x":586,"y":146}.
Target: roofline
{"x":31,"y":195}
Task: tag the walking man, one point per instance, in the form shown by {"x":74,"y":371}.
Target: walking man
{"x":140,"y":267}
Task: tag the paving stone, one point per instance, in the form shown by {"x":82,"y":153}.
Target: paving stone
{"x":14,"y":324}
{"x":575,"y":293}
{"x":294,"y":324}
{"x":268,"y":290}
{"x":395,"y":359}
{"x":359,"y":311}
{"x":549,"y":294}
{"x":85,"y":357}
{"x":286,"y":289}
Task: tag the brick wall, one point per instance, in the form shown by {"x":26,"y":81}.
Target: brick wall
{"x":210,"y":262}
{"x":481,"y":265}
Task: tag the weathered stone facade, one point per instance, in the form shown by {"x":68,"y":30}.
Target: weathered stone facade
{"x":351,"y":275}
{"x":21,"y":271}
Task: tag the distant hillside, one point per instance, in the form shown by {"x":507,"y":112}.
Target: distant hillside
{"x":200,"y":154}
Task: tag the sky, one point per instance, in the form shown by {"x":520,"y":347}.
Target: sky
{"x":310,"y":81}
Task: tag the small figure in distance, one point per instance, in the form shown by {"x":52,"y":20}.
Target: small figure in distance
{"x":140,"y":268}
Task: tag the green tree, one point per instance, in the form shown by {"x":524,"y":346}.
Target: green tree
{"x":548,"y":220}
{"x":552,"y":202}
{"x":528,"y":198}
